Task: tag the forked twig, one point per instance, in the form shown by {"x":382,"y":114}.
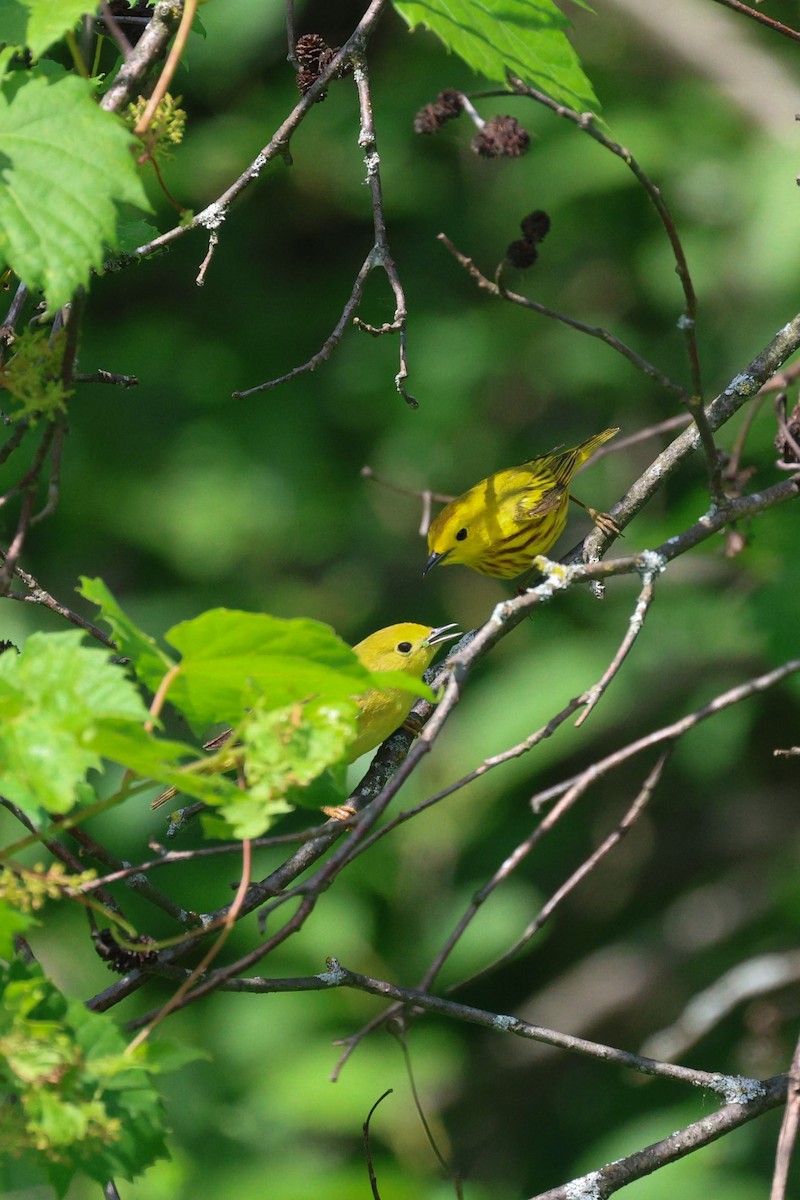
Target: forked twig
{"x":379,"y":256}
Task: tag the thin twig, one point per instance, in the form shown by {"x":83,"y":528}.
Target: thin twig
{"x":789,"y":1130}
{"x":609,"y":1179}
{"x":170,"y":67}
{"x":571,"y":789}
{"x":38,"y":595}
{"x":22,"y":427}
{"x":786,"y":433}
{"x":130,"y":78}
{"x":368,"y":143}
{"x":727,"y":1086}
{"x":373,"y":1182}
{"x":547,"y":909}
{"x":50,"y":505}
{"x":595,"y":331}
{"x":640,"y":435}
{"x":213,"y":215}
{"x":134,"y":879}
{"x":635,"y":626}
{"x":586,"y":123}
{"x":230,"y":919}
{"x":8,"y":328}
{"x":379,"y":256}
{"x":213,"y":242}
{"x":762,"y":18}
{"x":101,"y":376}
{"x":110,"y":22}
{"x":330,"y":343}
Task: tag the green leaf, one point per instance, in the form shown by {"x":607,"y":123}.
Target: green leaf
{"x":12,"y":922}
{"x":494,"y":37}
{"x":49,"y":20}
{"x":81,"y":1102}
{"x":13,"y":22}
{"x":285,"y":750}
{"x":159,"y":759}
{"x":131,"y":234}
{"x":65,"y":165}
{"x":149,"y":662}
{"x":55,"y":698}
{"x":383,"y":680}
{"x":245,"y":816}
{"x":231,"y":659}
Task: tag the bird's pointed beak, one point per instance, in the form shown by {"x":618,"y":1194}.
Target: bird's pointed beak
{"x":433,"y":560}
{"x":444,"y":633}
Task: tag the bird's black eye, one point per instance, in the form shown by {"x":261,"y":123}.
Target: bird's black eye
{"x":403,"y":647}
{"x":462,"y":533}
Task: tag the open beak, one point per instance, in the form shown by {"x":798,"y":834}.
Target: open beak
{"x":433,"y":560}
{"x":445,"y":633}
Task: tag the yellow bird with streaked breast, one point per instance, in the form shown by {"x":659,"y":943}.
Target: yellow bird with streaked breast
{"x":503,"y":522}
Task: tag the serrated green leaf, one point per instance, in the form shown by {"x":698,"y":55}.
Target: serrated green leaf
{"x":494,"y":37}
{"x":55,"y":699}
{"x":149,"y":662}
{"x":66,"y":164}
{"x":49,"y":20}
{"x":42,"y":764}
{"x":232,"y":659}
{"x":286,"y":750}
{"x":81,"y":1101}
{"x":13,"y":22}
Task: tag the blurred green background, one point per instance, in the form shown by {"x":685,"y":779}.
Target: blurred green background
{"x":182,"y":498}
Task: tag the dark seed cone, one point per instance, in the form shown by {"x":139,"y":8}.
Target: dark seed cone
{"x":309,"y":50}
{"x":432,"y":117}
{"x":522,"y":254}
{"x":535,"y":226}
{"x":501,"y":137}
{"x":313,"y":55}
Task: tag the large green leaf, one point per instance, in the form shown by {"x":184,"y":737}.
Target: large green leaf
{"x":55,"y":698}
{"x":149,"y":662}
{"x":65,"y":164}
{"x":494,"y":37}
{"x":49,"y":20}
{"x":81,"y":1102}
{"x":13,"y":22}
{"x":232,"y":659}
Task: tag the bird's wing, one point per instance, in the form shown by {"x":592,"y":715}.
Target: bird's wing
{"x":536,"y":505}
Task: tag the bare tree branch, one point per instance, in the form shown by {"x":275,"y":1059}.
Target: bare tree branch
{"x":616,"y":1175}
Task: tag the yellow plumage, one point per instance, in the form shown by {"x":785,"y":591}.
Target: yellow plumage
{"x":405,"y":647}
{"x":501,"y":523}
{"x":408,"y":648}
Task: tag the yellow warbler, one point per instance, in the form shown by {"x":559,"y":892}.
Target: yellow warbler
{"x":407,"y":648}
{"x":501,"y":523}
